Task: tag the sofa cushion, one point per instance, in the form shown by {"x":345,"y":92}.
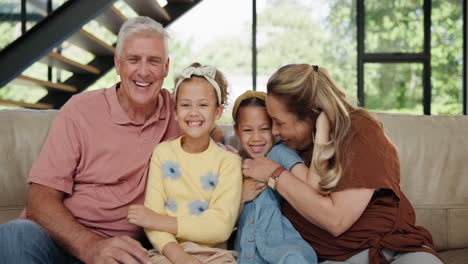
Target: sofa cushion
{"x":455,"y":256}
{"x":434,"y":172}
{"x":23,"y":133}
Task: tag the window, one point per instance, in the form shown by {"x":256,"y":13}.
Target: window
{"x":410,"y":56}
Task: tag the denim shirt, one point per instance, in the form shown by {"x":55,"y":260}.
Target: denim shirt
{"x":264,"y":235}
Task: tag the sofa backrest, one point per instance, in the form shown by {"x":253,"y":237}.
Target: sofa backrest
{"x":22,"y":133}
{"x":433,"y":153}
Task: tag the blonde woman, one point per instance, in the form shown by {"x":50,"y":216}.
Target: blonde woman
{"x":350,"y":208}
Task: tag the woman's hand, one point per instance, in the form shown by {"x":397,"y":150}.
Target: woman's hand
{"x":251,"y":189}
{"x":322,"y":126}
{"x":259,"y":168}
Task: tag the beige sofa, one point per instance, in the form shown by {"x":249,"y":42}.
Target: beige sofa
{"x":434,"y":169}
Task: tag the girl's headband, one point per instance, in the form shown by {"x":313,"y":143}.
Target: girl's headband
{"x":208,"y":72}
{"x":246,"y":95}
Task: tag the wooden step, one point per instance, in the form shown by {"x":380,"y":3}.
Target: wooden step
{"x":89,"y":42}
{"x":26,"y":105}
{"x":56,"y":60}
{"x":112,"y":19}
{"x":26,"y":80}
{"x":150,"y":8}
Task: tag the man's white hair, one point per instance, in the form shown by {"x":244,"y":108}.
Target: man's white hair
{"x":141,"y":24}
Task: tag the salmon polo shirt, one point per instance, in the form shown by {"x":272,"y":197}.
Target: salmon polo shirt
{"x":99,"y":158}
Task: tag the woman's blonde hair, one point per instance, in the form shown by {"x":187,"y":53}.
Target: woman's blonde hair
{"x":308,"y":90}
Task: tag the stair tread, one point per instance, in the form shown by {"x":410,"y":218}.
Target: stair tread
{"x":56,"y":60}
{"x":112,"y":19}
{"x":47,"y":84}
{"x":150,"y":8}
{"x":27,"y":105}
{"x":91,"y":43}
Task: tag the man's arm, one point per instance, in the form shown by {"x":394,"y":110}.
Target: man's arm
{"x":45,"y":206}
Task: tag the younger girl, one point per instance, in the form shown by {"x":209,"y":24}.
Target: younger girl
{"x":194,"y":187}
{"x":264,"y":235}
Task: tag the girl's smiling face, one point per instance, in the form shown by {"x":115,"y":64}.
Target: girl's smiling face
{"x":197,"y":107}
{"x":253,"y":129}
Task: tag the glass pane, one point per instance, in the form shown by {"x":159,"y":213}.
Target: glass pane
{"x":35,"y":12}
{"x":447,"y":57}
{"x":394,"y":26}
{"x":10,"y":25}
{"x":318,"y":32}
{"x":215,"y":32}
{"x":394,"y":87}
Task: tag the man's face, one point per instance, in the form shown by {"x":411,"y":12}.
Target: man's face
{"x":142,"y":65}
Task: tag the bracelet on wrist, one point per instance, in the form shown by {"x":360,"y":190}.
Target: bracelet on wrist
{"x":274,"y":177}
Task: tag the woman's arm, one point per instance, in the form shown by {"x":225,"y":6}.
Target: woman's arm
{"x":335,"y":212}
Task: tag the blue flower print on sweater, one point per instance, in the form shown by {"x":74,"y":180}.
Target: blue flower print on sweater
{"x":209,"y":181}
{"x":171,"y":205}
{"x":171,"y":169}
{"x":197,"y":207}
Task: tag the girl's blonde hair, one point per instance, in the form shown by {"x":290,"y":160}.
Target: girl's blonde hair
{"x":308,"y":90}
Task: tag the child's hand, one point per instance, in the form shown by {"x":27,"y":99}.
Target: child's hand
{"x":187,"y":259}
{"x":227,"y":148}
{"x":141,"y":216}
{"x":251,"y":189}
{"x":259,"y":168}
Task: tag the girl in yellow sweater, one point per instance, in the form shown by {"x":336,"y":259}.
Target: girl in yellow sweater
{"x":194,"y":187}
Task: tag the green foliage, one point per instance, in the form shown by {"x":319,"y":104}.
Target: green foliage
{"x":7,"y":31}
{"x":288,"y":33}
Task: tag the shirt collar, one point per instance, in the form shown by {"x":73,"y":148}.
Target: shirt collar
{"x":119,"y":116}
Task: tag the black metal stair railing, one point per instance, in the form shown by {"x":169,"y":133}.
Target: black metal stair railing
{"x":47,"y":34}
{"x":65,"y":24}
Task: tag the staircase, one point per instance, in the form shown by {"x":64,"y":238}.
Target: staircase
{"x":66,"y":23}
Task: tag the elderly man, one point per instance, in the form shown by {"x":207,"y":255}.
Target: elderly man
{"x":94,"y":162}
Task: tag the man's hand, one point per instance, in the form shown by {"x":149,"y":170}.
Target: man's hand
{"x":121,"y":249}
{"x":142,"y":216}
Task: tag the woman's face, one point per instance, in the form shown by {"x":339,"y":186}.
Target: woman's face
{"x":295,"y":133}
{"x":253,"y":129}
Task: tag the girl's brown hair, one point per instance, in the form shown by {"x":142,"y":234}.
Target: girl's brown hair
{"x":219,"y":79}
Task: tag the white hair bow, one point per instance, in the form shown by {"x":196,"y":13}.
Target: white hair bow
{"x":208,"y":72}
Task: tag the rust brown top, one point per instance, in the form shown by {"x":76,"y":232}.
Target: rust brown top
{"x":370,"y":161}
